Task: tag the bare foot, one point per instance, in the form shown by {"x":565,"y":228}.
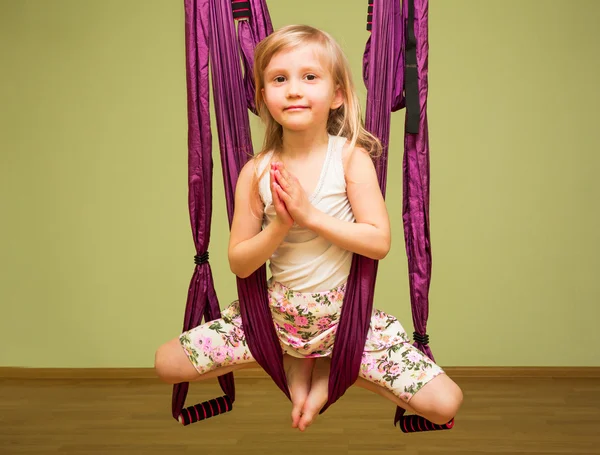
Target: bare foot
{"x":319,"y":391}
{"x":298,"y":373}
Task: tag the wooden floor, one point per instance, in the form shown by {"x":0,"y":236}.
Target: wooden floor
{"x":111,"y":417}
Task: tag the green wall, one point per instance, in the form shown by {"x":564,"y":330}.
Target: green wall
{"x":96,"y":245}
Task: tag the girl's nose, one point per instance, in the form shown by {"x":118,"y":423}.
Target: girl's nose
{"x":293,"y":90}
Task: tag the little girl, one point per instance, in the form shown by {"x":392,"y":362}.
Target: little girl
{"x":306,"y":203}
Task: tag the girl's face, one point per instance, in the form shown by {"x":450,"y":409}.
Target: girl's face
{"x":299,"y":91}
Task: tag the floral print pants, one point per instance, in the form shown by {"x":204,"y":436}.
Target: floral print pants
{"x":306,"y":324}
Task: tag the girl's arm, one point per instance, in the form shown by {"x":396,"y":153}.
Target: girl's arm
{"x":249,"y":246}
{"x":370,"y":235}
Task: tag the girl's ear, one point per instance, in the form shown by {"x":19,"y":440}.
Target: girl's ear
{"x":338,"y":98}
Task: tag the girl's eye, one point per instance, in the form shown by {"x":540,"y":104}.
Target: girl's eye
{"x":311,"y":77}
{"x":279,"y":79}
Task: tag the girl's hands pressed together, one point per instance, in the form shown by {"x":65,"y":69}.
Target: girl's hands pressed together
{"x":292,"y":194}
{"x":282,"y":212}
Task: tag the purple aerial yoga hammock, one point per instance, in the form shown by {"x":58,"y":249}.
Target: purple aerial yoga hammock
{"x":210,"y":32}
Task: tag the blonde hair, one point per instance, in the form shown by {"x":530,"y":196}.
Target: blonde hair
{"x":345,"y":121}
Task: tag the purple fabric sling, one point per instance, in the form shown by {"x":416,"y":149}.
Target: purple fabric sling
{"x":403,"y":56}
{"x":201,"y":300}
{"x":416,"y":178}
{"x":210,"y":31}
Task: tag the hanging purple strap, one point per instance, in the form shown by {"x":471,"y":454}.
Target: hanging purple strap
{"x":409,"y":27}
{"x":202,"y":300}
{"x":416,"y":170}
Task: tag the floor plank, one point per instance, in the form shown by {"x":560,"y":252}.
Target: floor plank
{"x":112,"y":416}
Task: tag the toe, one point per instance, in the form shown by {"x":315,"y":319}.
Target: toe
{"x":296,"y":414}
{"x":309,"y":413}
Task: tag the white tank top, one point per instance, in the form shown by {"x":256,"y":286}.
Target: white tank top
{"x":306,"y":262}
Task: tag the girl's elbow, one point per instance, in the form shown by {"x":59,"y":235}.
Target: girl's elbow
{"x":377,"y":254}
{"x":383,"y":249}
{"x":239,"y":272}
{"x":380,"y":254}
{"x":240,"y":269}
{"x":237,"y":268}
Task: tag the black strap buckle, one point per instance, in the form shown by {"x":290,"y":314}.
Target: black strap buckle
{"x":200,"y":259}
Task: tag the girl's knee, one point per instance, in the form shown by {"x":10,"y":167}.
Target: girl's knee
{"x":438,"y":401}
{"x":447,"y":406}
{"x":161,"y":363}
{"x":171,"y":364}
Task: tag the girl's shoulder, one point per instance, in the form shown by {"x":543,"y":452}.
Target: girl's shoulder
{"x":259,"y":166}
{"x":352,"y":155}
{"x":256,"y":166}
{"x":262,"y":160}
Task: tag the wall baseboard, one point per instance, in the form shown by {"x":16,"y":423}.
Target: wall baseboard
{"x":257,"y":373}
